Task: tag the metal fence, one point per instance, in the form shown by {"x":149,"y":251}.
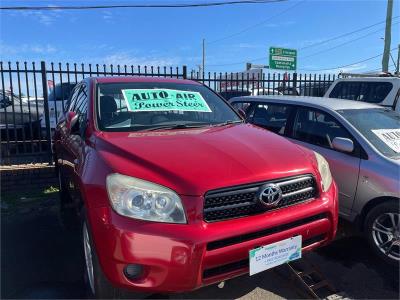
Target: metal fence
{"x":33,"y":96}
{"x":260,"y":83}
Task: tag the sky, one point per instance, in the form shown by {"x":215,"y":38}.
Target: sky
{"x":173,"y":37}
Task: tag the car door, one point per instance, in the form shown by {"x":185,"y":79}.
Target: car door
{"x":61,"y":135}
{"x":74,"y":142}
{"x":316,"y":130}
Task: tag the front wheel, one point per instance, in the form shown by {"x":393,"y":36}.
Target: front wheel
{"x":68,"y":214}
{"x":382,"y":226}
{"x":97,"y":284}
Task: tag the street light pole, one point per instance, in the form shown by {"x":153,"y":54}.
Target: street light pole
{"x":388,"y":35}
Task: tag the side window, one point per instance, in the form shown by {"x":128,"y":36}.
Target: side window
{"x":346,"y":90}
{"x":379,"y":91}
{"x":271,"y":116}
{"x":246,"y":107}
{"x":318,"y":128}
{"x":367,"y":91}
{"x":71,"y":101}
{"x":81,"y":104}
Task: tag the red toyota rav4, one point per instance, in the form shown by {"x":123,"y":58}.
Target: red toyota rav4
{"x":174,"y":189}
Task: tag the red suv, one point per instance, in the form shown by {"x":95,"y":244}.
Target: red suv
{"x":174,"y":189}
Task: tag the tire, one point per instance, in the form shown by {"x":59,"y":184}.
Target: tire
{"x":97,"y":284}
{"x":382,"y":230}
{"x":68,"y":213}
{"x":62,"y":186}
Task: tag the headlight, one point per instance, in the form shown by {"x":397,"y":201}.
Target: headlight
{"x":140,"y":199}
{"x":323,"y":168}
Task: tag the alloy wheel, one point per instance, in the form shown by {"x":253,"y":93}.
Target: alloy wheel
{"x":88,"y":257}
{"x":386,"y":234}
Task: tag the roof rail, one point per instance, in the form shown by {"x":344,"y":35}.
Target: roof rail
{"x":380,"y":74}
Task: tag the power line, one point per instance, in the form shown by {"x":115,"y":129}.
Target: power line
{"x":183,"y":5}
{"x":376,"y":70}
{"x":312,"y":45}
{"x":257,"y":24}
{"x":344,"y":34}
{"x":345,"y":43}
{"x":348,"y":65}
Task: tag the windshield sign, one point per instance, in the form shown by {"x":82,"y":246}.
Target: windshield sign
{"x":164,"y":100}
{"x":390,"y":137}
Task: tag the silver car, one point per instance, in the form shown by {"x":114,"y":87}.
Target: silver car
{"x":361,"y":142}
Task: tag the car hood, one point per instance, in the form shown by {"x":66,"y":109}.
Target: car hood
{"x":194,"y":161}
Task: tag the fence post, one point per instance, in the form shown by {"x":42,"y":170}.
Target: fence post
{"x":184,"y":71}
{"x":46,"y":110}
{"x":294,"y":87}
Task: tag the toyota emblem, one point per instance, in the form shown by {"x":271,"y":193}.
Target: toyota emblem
{"x":270,"y":194}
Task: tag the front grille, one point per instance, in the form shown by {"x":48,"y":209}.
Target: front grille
{"x":240,"y":201}
{"x":262,"y":233}
{"x":241,"y":264}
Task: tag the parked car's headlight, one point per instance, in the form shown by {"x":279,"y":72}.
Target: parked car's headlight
{"x":323,"y":168}
{"x":144,"y":200}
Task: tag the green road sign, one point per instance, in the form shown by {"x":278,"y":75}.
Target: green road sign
{"x":282,"y":59}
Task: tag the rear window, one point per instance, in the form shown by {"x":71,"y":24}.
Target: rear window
{"x":366,"y":91}
{"x":271,"y":116}
{"x":61,"y":92}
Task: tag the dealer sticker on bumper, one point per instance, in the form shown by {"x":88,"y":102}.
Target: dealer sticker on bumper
{"x":267,"y":257}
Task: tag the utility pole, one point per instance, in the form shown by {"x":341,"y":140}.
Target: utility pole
{"x":204,"y":59}
{"x":398,"y":61}
{"x":388,"y":36}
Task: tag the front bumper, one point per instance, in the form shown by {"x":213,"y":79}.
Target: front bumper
{"x":183,"y":257}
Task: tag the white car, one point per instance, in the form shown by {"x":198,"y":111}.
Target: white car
{"x":57,"y":101}
{"x":384,"y":91}
{"x":264,"y":91}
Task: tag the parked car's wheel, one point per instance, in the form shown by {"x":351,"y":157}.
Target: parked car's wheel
{"x":62,"y":186}
{"x":68,"y":213}
{"x":382,"y":226}
{"x":97,"y":284}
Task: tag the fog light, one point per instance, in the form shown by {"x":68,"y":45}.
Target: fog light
{"x":133,"y":271}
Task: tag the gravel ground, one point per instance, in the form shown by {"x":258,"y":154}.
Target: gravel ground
{"x":40,"y":259}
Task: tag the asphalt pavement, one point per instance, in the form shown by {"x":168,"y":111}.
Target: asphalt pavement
{"x":41,"y":259}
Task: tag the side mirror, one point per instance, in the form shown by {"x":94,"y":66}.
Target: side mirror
{"x":242,"y":113}
{"x":72,"y":122}
{"x":343,"y":144}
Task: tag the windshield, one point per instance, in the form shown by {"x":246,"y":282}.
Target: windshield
{"x":379,"y":126}
{"x":159,"y":105}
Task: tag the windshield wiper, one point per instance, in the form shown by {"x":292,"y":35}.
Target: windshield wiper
{"x":229,"y":122}
{"x":175,"y":126}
